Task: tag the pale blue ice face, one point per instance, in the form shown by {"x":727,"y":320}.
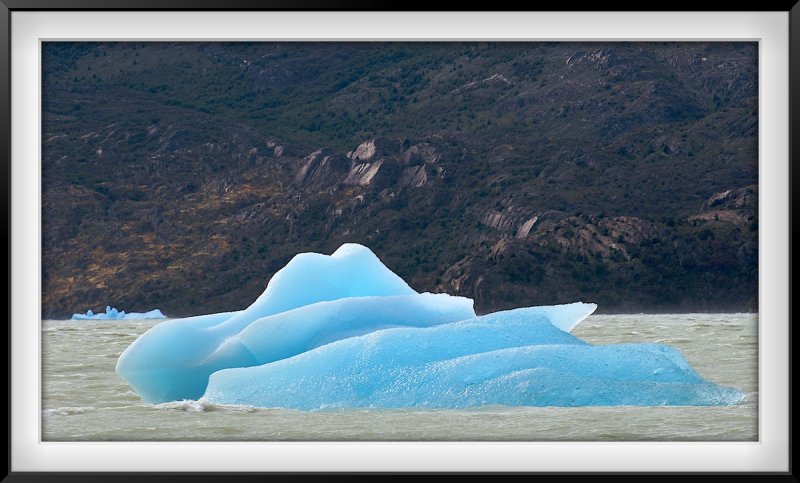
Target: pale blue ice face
{"x":515,"y":358}
{"x":344,"y":331}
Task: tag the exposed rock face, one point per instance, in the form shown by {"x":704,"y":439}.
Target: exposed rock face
{"x":323,"y":165}
{"x":415,"y":176}
{"x":599,"y":237}
{"x":363,"y":173}
{"x":364,"y":152}
{"x":492,"y":79}
{"x":421,"y":153}
{"x":277,"y":149}
{"x":737,"y":206}
{"x":731,"y":216}
{"x":410,"y":168}
{"x":741,"y":198}
{"x":526,"y":226}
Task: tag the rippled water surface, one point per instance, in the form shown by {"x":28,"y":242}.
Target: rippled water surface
{"x":84,"y":400}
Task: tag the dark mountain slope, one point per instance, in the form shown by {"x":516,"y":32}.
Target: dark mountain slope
{"x":182,"y":175}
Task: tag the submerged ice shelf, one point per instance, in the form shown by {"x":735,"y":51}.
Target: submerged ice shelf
{"x":344,"y":331}
{"x":113,"y":314}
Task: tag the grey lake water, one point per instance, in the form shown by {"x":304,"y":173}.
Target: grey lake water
{"x":84,"y":400}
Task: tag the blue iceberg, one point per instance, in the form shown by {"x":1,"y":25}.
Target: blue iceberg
{"x":113,"y":314}
{"x":314,"y":300}
{"x":515,"y":358}
{"x":344,"y":331}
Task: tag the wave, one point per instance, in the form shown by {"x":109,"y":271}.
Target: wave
{"x":66,"y":411}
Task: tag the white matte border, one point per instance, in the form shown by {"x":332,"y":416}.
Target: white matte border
{"x":771,"y":453}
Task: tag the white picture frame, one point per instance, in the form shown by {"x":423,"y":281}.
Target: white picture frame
{"x":30,"y":454}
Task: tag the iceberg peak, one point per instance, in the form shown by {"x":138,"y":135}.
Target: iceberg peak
{"x":354,"y":249}
{"x":351,"y":271}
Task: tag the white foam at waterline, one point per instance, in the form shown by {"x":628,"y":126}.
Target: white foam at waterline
{"x":203,"y":406}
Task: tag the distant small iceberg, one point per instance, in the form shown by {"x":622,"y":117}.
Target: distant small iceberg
{"x":113,"y":314}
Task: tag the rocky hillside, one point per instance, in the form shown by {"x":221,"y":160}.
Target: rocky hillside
{"x":183,"y":175}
